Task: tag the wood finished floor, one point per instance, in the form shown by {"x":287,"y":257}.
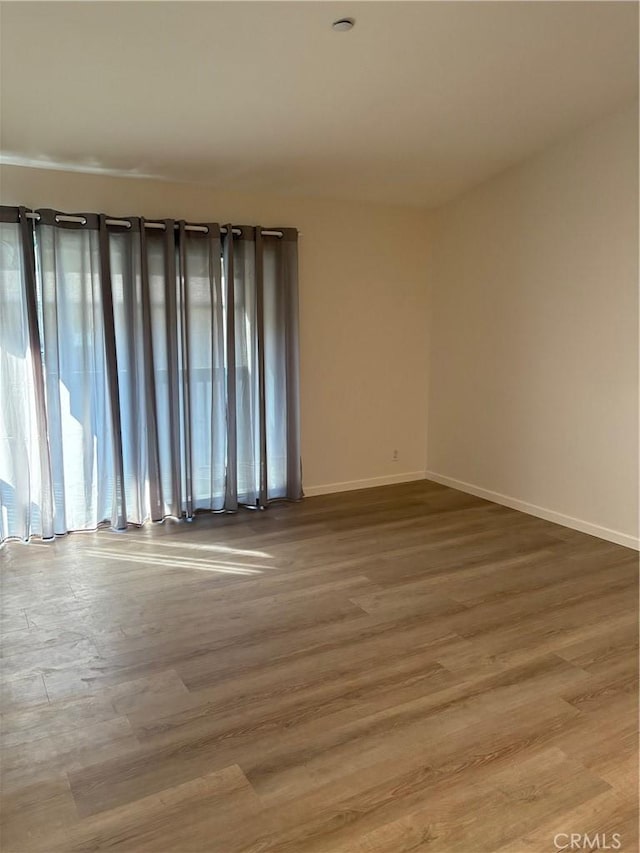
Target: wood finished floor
{"x":398,"y":669}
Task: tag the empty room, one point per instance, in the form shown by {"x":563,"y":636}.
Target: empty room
{"x":319,"y":426}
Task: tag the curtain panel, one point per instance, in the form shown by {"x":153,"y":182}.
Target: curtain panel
{"x":147,"y":369}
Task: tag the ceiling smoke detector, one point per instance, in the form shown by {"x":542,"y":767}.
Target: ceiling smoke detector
{"x":343,"y":25}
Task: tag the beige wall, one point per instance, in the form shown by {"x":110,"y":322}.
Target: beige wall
{"x":534,"y":333}
{"x":363,"y":303}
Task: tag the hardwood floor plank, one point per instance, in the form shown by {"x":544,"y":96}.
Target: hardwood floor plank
{"x":34,"y":760}
{"x":446,"y":743}
{"x":34,"y":813}
{"x":21,"y":692}
{"x":607,"y":819}
{"x":468,"y":819}
{"x":213,"y":807}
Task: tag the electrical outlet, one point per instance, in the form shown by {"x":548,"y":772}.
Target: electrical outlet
{"x":395,"y":456}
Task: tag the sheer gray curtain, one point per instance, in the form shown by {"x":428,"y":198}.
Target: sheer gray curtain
{"x":146,"y":370}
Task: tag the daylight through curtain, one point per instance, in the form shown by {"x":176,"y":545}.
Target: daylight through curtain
{"x":146,"y":370}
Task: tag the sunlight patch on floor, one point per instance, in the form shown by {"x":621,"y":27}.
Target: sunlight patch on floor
{"x":219,"y":549}
{"x":164,"y":561}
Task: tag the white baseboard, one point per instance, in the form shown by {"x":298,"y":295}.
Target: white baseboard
{"x":541,"y":512}
{"x":351,"y":485}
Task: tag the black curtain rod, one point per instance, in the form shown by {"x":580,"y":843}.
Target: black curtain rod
{"x":61,"y":217}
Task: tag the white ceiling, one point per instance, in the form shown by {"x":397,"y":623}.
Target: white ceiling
{"x":418,"y":102}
